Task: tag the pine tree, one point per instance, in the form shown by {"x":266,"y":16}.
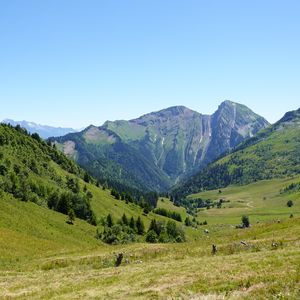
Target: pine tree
{"x":132,"y":223}
{"x":153,"y":226}
{"x":109,"y":220}
{"x":124,"y":219}
{"x":86,"y":177}
{"x":140,"y":226}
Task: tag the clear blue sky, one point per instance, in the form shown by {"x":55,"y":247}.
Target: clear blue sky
{"x":74,"y":63}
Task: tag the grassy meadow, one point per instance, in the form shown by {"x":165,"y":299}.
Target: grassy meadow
{"x":42,"y":257}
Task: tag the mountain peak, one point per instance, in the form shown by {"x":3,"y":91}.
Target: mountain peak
{"x":166,"y":113}
{"x":229,"y":103}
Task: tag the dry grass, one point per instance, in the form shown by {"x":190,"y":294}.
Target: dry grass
{"x":186,"y":271}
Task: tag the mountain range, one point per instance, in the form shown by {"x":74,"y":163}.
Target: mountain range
{"x":44,"y":131}
{"x":157,"y":150}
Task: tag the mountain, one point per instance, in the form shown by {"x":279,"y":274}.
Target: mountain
{"x":158,"y":149}
{"x":273,"y":153}
{"x":44,"y":131}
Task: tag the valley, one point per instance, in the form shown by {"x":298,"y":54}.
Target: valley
{"x":62,"y":229}
{"x":51,"y":259}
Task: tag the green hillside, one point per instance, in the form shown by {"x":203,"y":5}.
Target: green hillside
{"x":42,"y":257}
{"x":39,"y":187}
{"x":272,"y":153}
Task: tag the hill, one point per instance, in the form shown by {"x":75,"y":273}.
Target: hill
{"x":272,"y":153}
{"x":43,"y":131}
{"x":42,"y":257}
{"x":156,"y":150}
{"x":31,"y":170}
{"x":40,"y":187}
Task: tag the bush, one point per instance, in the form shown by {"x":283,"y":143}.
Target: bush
{"x":245,"y":221}
{"x":151,"y":236}
{"x":290,"y":203}
{"x":188,"y":222}
{"x":117,"y":234}
{"x":164,"y":233}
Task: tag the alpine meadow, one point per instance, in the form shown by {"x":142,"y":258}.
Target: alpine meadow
{"x":144,"y":184}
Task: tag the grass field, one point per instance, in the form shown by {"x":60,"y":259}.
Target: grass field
{"x":260,"y":201}
{"x":42,"y":257}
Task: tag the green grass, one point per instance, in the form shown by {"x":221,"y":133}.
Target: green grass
{"x":260,"y":201}
{"x":42,"y":257}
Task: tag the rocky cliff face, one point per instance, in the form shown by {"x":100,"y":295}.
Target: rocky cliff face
{"x":272,"y":153}
{"x":162,"y":147}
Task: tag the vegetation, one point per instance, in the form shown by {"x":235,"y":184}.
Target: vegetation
{"x":122,"y":232}
{"x":272,"y":153}
{"x":43,"y":257}
{"x":291,"y":188}
{"x":245,"y":221}
{"x":168,"y":213}
{"x":125,"y":231}
{"x":29,"y":172}
{"x":150,"y":153}
{"x":161,"y":232}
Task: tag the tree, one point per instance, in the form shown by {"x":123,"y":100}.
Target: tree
{"x":71,"y":216}
{"x":109,"y":220}
{"x":188,"y":222}
{"x":151,"y":237}
{"x":73,"y":184}
{"x":153,"y":226}
{"x":36,"y":137}
{"x":245,"y":221}
{"x":132,"y":223}
{"x":86,"y":177}
{"x":290,"y":203}
{"x":63,"y":203}
{"x":171,"y":229}
{"x":89,"y":195}
{"x":140,"y":226}
{"x":124,"y":219}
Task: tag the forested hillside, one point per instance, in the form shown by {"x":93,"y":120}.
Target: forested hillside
{"x":31,"y":170}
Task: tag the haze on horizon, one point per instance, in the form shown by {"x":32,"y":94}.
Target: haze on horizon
{"x":78,"y":63}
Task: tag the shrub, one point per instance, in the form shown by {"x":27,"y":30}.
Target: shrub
{"x":151,"y":236}
{"x":245,"y":221}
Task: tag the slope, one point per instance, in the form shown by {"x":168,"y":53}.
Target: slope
{"x":250,"y":263}
{"x":272,"y":153}
{"x":35,"y":177}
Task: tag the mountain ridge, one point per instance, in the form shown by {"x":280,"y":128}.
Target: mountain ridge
{"x":44,"y":131}
{"x":272,"y":153}
{"x":169,"y":144}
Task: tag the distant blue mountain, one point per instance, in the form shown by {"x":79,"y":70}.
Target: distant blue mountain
{"x":44,"y":131}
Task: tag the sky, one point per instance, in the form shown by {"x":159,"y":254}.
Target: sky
{"x":80,"y":62}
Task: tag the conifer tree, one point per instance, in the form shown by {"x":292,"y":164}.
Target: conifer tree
{"x":140,"y":226}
